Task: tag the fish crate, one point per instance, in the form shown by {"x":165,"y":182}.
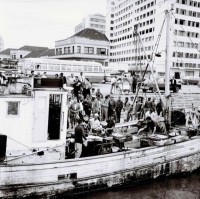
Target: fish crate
{"x":144,"y":142}
{"x":134,"y":143}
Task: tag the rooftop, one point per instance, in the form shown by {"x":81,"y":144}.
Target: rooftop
{"x":6,"y":51}
{"x":32,"y":48}
{"x":91,"y":34}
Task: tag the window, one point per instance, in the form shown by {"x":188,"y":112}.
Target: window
{"x":88,"y":50}
{"x":101,"y":51}
{"x":13,"y":109}
{"x":78,"y":49}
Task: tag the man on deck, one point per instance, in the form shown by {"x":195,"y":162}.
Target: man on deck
{"x":79,"y":136}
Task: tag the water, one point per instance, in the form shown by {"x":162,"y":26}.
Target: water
{"x":185,"y":187}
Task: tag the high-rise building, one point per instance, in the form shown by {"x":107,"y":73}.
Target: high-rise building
{"x":95,"y":21}
{"x":124,"y":17}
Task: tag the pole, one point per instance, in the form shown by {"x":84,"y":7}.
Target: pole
{"x":167,"y":63}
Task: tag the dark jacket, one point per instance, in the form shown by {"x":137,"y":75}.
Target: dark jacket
{"x":79,"y":134}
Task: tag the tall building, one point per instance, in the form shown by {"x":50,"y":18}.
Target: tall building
{"x":124,"y":17}
{"x":95,"y":21}
{"x":1,"y":44}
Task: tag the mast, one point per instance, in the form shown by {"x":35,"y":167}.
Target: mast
{"x":167,"y":60}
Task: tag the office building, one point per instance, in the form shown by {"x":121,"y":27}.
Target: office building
{"x":93,"y":21}
{"x":124,"y":17}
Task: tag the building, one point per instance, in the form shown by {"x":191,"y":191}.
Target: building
{"x":147,"y":17}
{"x":86,"y":45}
{"x":95,"y":21}
{"x":1,"y":44}
{"x":9,"y":57}
{"x":23,"y":52}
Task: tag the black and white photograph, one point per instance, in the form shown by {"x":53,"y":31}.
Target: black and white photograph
{"x":100,"y":99}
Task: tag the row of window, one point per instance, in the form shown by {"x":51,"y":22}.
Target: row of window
{"x":184,"y":33}
{"x":187,"y":12}
{"x":186,"y":55}
{"x":146,"y":23}
{"x":146,"y":39}
{"x":144,"y":7}
{"x":87,"y":50}
{"x":189,"y":2}
{"x":143,"y":16}
{"x":67,"y":67}
{"x":124,"y":17}
{"x":97,"y":26}
{"x":149,"y":30}
{"x":186,"y":65}
{"x":127,"y":59}
{"x":121,"y":31}
{"x":187,"y":23}
{"x":123,"y":10}
{"x":122,"y":24}
{"x":136,"y":51}
{"x":98,"y":20}
{"x":140,"y":1}
{"x":186,"y":44}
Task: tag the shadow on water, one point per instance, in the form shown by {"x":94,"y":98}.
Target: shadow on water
{"x":176,"y":187}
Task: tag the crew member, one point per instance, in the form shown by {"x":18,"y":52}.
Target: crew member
{"x":79,"y":136}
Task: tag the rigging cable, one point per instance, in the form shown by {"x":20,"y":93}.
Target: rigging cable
{"x":152,"y":58}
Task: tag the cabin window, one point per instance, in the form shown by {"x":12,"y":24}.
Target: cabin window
{"x":13,"y":108}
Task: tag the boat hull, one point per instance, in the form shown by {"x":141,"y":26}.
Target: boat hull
{"x":104,"y":171}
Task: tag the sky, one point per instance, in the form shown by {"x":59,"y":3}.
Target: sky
{"x":42,"y":22}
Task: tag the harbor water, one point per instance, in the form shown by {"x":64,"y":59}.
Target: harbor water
{"x":176,"y":187}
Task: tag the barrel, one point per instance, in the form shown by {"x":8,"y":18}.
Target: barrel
{"x":3,"y":142}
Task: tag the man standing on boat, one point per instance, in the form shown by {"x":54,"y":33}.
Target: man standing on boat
{"x":173,"y":84}
{"x":63,"y":78}
{"x":74,"y":112}
{"x":79,"y":136}
{"x":118,"y":108}
{"x":134,"y":83}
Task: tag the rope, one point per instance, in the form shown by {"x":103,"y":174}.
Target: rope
{"x":17,"y":141}
{"x":152,"y":56}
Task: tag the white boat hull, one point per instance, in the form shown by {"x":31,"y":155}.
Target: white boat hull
{"x":101,"y":171}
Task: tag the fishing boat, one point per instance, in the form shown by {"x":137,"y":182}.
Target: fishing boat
{"x":34,"y":158}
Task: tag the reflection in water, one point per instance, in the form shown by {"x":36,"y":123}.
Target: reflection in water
{"x":187,"y":187}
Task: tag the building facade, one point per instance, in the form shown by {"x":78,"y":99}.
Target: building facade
{"x":125,"y":17}
{"x":95,"y":21}
{"x":86,"y":45}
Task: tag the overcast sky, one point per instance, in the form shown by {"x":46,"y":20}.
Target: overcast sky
{"x":42,"y":22}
